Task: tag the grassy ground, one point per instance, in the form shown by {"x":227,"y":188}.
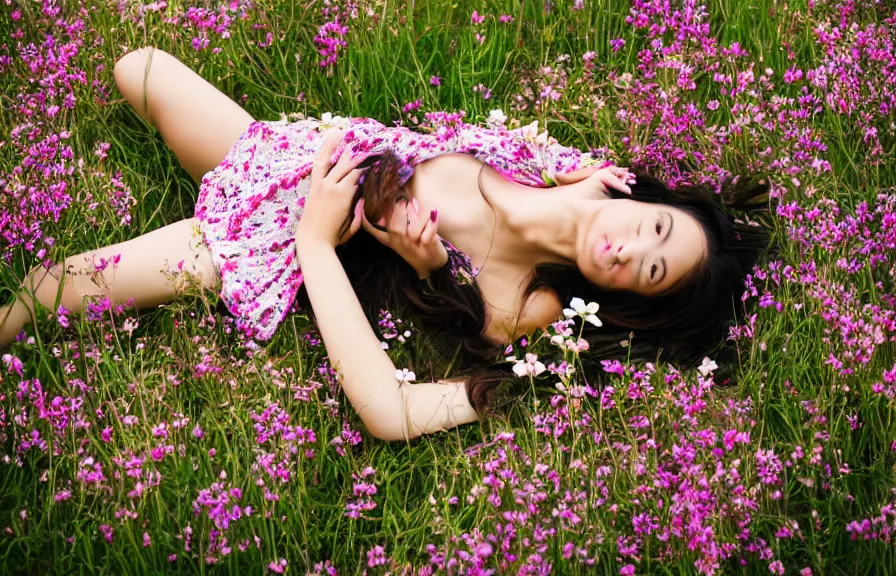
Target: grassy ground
{"x":159,"y":441}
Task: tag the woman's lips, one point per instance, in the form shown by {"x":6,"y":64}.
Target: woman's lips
{"x":601,"y":251}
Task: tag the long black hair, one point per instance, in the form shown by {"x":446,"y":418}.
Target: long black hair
{"x":680,"y":326}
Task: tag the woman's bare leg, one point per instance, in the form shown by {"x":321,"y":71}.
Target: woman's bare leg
{"x":200,"y":124}
{"x":144,"y":272}
{"x":197,"y":121}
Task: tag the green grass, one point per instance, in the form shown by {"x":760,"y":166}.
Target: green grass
{"x":382,"y":69}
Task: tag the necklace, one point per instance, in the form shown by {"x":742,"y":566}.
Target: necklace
{"x":491,"y":244}
{"x":494,"y":226}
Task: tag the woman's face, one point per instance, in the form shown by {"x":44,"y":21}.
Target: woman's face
{"x":640,"y":247}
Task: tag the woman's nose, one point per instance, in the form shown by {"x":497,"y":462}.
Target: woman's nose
{"x":628,"y":250}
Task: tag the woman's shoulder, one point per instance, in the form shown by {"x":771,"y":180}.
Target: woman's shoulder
{"x":540,"y":309}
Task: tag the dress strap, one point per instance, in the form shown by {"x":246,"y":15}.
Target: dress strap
{"x":460,"y":265}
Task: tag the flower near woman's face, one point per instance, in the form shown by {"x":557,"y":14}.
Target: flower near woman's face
{"x":707,"y":366}
{"x":404,"y":376}
{"x":577,"y":307}
{"x":531,"y":366}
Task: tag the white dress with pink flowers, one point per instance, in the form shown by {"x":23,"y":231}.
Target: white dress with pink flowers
{"x":249,"y":204}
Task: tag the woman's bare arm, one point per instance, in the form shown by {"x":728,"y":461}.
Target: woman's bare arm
{"x":388,"y":410}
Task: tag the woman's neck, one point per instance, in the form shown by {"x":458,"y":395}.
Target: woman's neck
{"x":543,"y":226}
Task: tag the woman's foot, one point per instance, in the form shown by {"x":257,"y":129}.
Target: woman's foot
{"x":41,"y":285}
{"x":13,"y":318}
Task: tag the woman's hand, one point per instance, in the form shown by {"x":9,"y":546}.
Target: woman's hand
{"x":599,"y":178}
{"x":330,"y":197}
{"x":412,"y":236}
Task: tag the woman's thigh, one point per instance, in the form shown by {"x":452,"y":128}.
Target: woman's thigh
{"x":197,"y":121}
{"x":152,"y":269}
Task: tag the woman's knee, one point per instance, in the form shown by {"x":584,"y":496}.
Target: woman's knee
{"x":131,"y":77}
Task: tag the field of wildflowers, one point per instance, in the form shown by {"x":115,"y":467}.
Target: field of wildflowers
{"x":162,"y":442}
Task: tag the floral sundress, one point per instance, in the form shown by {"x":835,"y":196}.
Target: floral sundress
{"x":249,"y":204}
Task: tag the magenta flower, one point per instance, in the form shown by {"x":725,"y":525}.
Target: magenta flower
{"x":411,"y":106}
{"x":278,"y":567}
{"x":376,"y":556}
{"x":107,"y":532}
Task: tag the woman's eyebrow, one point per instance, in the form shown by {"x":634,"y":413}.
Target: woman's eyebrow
{"x":668,"y":234}
{"x":669,"y":230}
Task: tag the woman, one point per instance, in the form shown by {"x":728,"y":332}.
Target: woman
{"x":277,"y":199}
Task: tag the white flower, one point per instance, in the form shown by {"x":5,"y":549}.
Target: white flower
{"x":404,"y":376}
{"x":519,"y":369}
{"x":496,"y":118}
{"x":291,"y":116}
{"x":529,"y":131}
{"x":531,"y":366}
{"x":577,"y":307}
{"x":577,"y":391}
{"x":707,"y":367}
{"x":327,"y":120}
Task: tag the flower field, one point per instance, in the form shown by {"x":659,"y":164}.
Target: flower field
{"x":163,"y":441}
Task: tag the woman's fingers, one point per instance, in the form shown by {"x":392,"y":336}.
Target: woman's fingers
{"x":398,"y":220}
{"x":321,"y":166}
{"x":382,"y":237}
{"x":617,"y":184}
{"x":345,"y":165}
{"x":341,"y":167}
{"x":353,"y":177}
{"x":356,"y":220}
{"x":614,"y":177}
{"x":623,"y":174}
{"x":573,"y":177}
{"x":416,"y":224}
{"x":430,"y":230}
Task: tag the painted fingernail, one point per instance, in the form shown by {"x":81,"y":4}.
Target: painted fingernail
{"x":433,"y":214}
